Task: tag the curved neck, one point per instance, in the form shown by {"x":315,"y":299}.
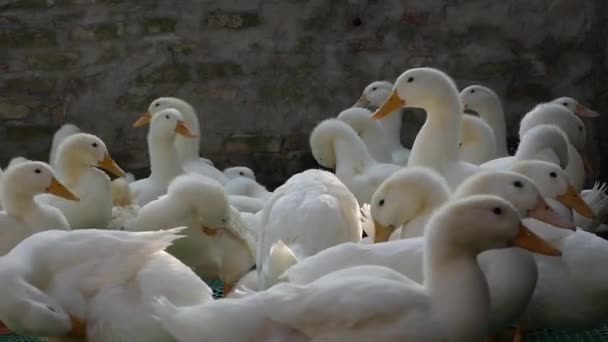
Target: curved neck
{"x":18,"y":204}
{"x":391,"y":125}
{"x":351,"y":154}
{"x":188,"y":148}
{"x":495,"y":117}
{"x":375,"y":142}
{"x":70,"y":170}
{"x":164,"y":163}
{"x":458,"y":290}
{"x":437,"y":142}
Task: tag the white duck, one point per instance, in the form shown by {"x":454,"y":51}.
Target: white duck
{"x":63,"y":132}
{"x":542,"y":142}
{"x":187,"y":147}
{"x":246,"y":204}
{"x":94,"y":285}
{"x":511,"y":273}
{"x":573,"y":127}
{"x":218,"y":243}
{"x":477,"y":144}
{"x":436,"y":145}
{"x":125,"y":208}
{"x":452,"y":305}
{"x":370,"y":131}
{"x":335,"y":145}
{"x":312,"y":211}
{"x":165,"y":126}
{"x":22,"y":215}
{"x":373,"y":96}
{"x":245,"y":186}
{"x":488,"y":106}
{"x":238,"y":171}
{"x":78,"y":157}
{"x":576,"y":108}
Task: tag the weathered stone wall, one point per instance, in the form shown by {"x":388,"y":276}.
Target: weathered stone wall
{"x":262,"y":73}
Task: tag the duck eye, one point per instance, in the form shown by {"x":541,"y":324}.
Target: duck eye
{"x":553,"y":174}
{"x":94,"y":144}
{"x":497,"y":211}
{"x":37,"y":171}
{"x":518,"y":184}
{"x":472,"y":91}
{"x":241,"y":173}
{"x":157,"y":105}
{"x":410,"y":80}
{"x":381,"y":202}
{"x":565,"y":104}
{"x":167,"y":116}
{"x":580,"y":128}
{"x":374,"y":88}
{"x":224,"y":220}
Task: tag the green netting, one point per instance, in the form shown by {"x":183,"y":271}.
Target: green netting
{"x":592,"y":335}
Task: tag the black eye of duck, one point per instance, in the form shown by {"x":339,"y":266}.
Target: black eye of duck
{"x":497,"y":211}
{"x":518,"y":184}
{"x":410,"y":80}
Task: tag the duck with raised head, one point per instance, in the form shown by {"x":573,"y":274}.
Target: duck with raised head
{"x":486,"y":103}
{"x":218,"y":244}
{"x":335,"y":145}
{"x":187,"y":147}
{"x":436,"y":145}
{"x":78,"y":157}
{"x":22,"y":215}
{"x":575,"y":107}
{"x":165,"y":126}
{"x":372,"y":97}
{"x":477,"y":144}
{"x":453,"y":304}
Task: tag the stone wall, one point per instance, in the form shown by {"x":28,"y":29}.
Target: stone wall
{"x":262,"y":73}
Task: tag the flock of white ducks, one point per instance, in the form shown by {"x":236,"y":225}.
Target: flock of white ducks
{"x":451,"y":240}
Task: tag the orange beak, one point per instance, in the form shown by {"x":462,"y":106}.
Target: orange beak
{"x":143,"y":120}
{"x":382,"y":232}
{"x":183,"y":130}
{"x":110,"y":165}
{"x":79,"y":329}
{"x":534,"y":243}
{"x":543,"y":212}
{"x":391,"y":104}
{"x":58,"y":189}
{"x":588,"y":166}
{"x":574,"y":201}
{"x":585,"y":112}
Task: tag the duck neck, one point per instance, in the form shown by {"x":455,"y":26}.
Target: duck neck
{"x":437,"y":142}
{"x":18,"y":204}
{"x":188,"y":148}
{"x":69,"y":170}
{"x":351,"y":155}
{"x":458,"y":290}
{"x":164,"y":163}
{"x":495,"y":117}
{"x":391,"y":125}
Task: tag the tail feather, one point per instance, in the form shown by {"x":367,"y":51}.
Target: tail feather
{"x":281,"y":258}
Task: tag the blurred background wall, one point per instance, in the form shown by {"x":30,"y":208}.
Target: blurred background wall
{"x":261,"y":74}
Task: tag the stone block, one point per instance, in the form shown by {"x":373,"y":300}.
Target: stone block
{"x":134,"y":102}
{"x":27,"y":38}
{"x":213,"y":70}
{"x":232,"y":20}
{"x":29,"y":85}
{"x":25,"y":4}
{"x":53,"y":60}
{"x":159,"y":25}
{"x":13,"y":111}
{"x":244,"y":143}
{"x":166,"y":73}
{"x":105,"y":31}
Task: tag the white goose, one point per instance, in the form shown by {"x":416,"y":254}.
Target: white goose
{"x":436,"y":145}
{"x":373,"y":96}
{"x":165,"y":126}
{"x":573,"y":127}
{"x":335,"y":145}
{"x":187,"y":147}
{"x":218,"y":244}
{"x":78,"y":157}
{"x":478,"y":144}
{"x":22,"y":215}
{"x":488,"y":106}
{"x":312,"y":211}
{"x":452,"y":305}
{"x":370,"y":131}
{"x":542,"y":142}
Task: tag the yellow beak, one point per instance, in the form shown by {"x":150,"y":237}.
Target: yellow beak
{"x":382,"y":232}
{"x":543,"y":212}
{"x":110,"y":165}
{"x":143,"y":120}
{"x":574,"y":201}
{"x":532,"y":242}
{"x":183,"y":130}
{"x":58,"y":189}
{"x":391,"y":104}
